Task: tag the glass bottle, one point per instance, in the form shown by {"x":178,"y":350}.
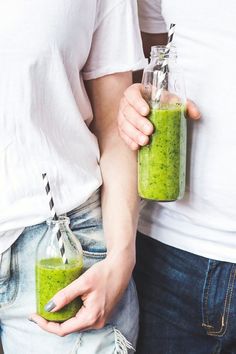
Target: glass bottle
{"x":52,"y":274}
{"x":162,"y":163}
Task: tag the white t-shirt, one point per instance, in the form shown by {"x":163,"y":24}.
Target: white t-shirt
{"x":204,"y":222}
{"x":47,"y":48}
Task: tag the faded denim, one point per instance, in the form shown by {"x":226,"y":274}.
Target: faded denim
{"x":17,"y":295}
{"x":187,"y":302}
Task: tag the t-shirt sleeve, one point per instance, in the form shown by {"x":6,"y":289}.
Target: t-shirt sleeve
{"x":150,"y":16}
{"x":116,"y":44}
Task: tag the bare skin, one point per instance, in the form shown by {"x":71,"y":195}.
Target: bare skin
{"x":134,"y":127}
{"x":102,"y":286}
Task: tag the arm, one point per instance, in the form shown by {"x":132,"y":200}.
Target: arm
{"x":102,"y":286}
{"x":134,"y":127}
{"x":118,"y":166}
{"x":150,"y":39}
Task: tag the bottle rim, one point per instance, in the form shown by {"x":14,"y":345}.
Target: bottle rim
{"x":163,"y":52}
{"x":62,"y":219}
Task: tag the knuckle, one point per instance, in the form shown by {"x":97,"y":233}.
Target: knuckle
{"x":61,"y":333}
{"x":124,"y":137}
{"x":64,"y":296}
{"x":137,"y":136}
{"x":136,"y":86}
{"x":125,"y":127}
{"x":126,"y":92}
{"x":133,"y":146}
{"x":129,"y":92}
{"x":127,"y":141}
{"x":124,"y":106}
{"x":120,"y":120}
{"x":100,"y":324}
{"x":122,"y":102}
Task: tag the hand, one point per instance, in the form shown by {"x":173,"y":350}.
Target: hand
{"x":100,"y":289}
{"x":134,"y":127}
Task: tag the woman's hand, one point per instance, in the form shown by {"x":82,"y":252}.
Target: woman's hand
{"x":100,"y":288}
{"x":134,"y":127}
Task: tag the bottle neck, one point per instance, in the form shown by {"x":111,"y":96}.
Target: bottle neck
{"x":61,"y":223}
{"x":160,"y":54}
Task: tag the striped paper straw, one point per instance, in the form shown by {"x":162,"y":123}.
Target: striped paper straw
{"x":162,"y":73}
{"x":54,"y":217}
{"x":170,"y":37}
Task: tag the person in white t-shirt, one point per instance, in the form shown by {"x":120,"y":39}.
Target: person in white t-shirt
{"x":61,"y":64}
{"x":185,"y":272}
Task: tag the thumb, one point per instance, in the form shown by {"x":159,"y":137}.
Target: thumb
{"x":66,"y":295}
{"x":192,"y":110}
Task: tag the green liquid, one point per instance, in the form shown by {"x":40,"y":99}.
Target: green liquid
{"x":51,"y":276}
{"x":162,"y":163}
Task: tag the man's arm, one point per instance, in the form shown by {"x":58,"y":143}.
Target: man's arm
{"x":150,"y":39}
{"x":102,"y":286}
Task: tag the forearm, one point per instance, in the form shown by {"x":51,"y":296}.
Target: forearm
{"x":119,"y":197}
{"x":118,"y":167}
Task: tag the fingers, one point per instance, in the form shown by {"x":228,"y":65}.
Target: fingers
{"x":134,"y":128}
{"x":132,"y":144}
{"x":132,"y":135}
{"x":141,"y":123}
{"x":68,"y":294}
{"x":192,"y":110}
{"x":85,"y":319}
{"x":134,"y":97}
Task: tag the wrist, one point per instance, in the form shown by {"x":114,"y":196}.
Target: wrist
{"x":124,"y":257}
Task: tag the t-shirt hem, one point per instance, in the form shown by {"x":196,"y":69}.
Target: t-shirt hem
{"x":108,"y":70}
{"x":152,"y":26}
{"x":10,"y":238}
{"x":192,"y":245}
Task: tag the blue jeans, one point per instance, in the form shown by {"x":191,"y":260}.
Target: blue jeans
{"x":17,"y":295}
{"x":187,"y":302}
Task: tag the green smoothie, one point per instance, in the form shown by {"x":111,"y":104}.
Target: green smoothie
{"x":161,"y":170}
{"x":51,"y":276}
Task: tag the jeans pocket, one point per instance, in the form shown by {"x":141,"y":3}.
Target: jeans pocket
{"x":5,"y":268}
{"x":90,"y":258}
{"x":86,"y":224}
{"x":217,"y":296}
{"x":8,"y":277}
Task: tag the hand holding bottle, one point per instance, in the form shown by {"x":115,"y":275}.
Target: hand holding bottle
{"x":134,"y":127}
{"x":100,"y":289}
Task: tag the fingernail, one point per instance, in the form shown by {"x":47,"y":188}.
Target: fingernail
{"x":147,"y":129}
{"x":142,"y":140}
{"x":49,"y":306}
{"x":31,"y":320}
{"x":144,"y":110}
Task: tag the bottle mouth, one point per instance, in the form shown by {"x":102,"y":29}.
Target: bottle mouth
{"x":62,"y":219}
{"x":162,"y":52}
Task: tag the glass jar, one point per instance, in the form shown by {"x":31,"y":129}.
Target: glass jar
{"x":162,"y":163}
{"x":52,"y":273}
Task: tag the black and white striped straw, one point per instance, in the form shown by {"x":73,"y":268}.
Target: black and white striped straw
{"x":171,"y":33}
{"x":164,"y":67}
{"x":54,"y":217}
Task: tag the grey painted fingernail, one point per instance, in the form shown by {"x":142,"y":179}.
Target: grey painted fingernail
{"x":49,"y":306}
{"x":31,"y":320}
